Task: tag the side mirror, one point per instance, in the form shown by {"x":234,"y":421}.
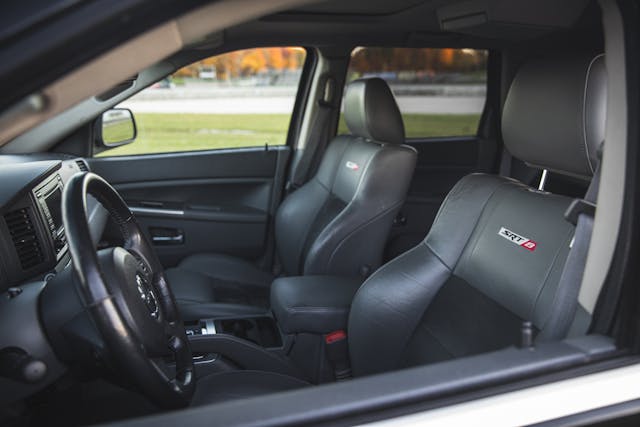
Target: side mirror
{"x":116,"y":127}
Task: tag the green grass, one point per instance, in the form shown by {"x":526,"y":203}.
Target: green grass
{"x":163,"y":133}
{"x":430,"y":125}
{"x":117,"y":131}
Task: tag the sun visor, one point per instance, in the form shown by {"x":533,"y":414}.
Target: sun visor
{"x":515,"y":18}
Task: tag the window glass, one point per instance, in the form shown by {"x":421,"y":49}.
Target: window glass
{"x":239,"y":99}
{"x":440,"y":92}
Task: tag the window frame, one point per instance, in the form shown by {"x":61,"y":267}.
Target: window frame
{"x":427,"y":139}
{"x":296,"y":115}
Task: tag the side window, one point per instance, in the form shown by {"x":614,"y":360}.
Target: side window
{"x":239,"y":99}
{"x":440,"y":92}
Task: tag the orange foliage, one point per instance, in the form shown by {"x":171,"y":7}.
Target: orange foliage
{"x":426,"y":60}
{"x":253,"y":62}
{"x":446,"y":57}
{"x":248,"y":62}
{"x":275,"y":58}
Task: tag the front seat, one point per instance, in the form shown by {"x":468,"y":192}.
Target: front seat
{"x":337,"y":223}
{"x":495,"y":253}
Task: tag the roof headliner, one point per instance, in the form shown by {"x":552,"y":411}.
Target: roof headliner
{"x":496,"y":23}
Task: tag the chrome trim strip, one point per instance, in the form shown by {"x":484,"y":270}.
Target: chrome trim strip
{"x":543,"y":180}
{"x":211,"y":327}
{"x":156,"y":211}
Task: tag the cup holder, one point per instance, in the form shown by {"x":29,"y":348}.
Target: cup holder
{"x":262,"y":330}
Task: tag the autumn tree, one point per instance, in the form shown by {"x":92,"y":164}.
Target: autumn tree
{"x":429,"y":61}
{"x":247,"y":62}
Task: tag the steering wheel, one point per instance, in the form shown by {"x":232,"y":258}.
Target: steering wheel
{"x":125,"y":290}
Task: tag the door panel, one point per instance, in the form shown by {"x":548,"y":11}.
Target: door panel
{"x":214,"y":201}
{"x":235,"y":163}
{"x":442,"y":162}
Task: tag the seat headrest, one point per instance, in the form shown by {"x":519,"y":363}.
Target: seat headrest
{"x":370,"y":111}
{"x":554,"y":114}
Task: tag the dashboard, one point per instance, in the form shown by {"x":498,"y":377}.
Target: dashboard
{"x":33,"y":243}
{"x":34,"y":250}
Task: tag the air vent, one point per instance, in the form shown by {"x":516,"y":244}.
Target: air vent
{"x":24,"y":238}
{"x":82,"y":165}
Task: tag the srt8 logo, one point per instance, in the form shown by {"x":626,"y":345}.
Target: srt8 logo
{"x":517,"y":239}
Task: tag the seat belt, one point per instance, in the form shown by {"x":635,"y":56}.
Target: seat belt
{"x":318,"y":137}
{"x":581,"y":213}
{"x":337,"y":349}
{"x":303,"y":168}
{"x":505,"y":163}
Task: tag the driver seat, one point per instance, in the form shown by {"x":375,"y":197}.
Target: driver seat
{"x":335,"y":224}
{"x":495,"y":253}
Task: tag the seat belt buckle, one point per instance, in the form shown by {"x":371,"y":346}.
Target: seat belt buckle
{"x":577,"y":207}
{"x":335,"y":336}
{"x":338,"y":354}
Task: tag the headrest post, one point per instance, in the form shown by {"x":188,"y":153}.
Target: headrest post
{"x":543,"y":180}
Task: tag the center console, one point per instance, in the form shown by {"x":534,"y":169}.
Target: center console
{"x":260,"y":330}
{"x":313,"y":304}
{"x":49,"y":199}
{"x":225,"y":342}
{"x":294,"y":339}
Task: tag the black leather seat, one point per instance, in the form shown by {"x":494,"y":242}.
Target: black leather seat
{"x":337,"y":223}
{"x":497,"y":248}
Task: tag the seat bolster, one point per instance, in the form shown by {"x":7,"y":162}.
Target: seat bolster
{"x":388,"y":307}
{"x":207,"y":278}
{"x":189,"y":286}
{"x":225,"y":267}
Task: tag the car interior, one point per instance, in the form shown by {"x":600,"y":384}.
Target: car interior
{"x":400,"y":238}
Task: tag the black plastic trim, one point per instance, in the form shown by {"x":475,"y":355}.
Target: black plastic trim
{"x":62,"y":42}
{"x":616,"y":312}
{"x":18,"y":179}
{"x":436,"y":139}
{"x":407,"y":391}
{"x":21,"y":328}
{"x":302,"y":95}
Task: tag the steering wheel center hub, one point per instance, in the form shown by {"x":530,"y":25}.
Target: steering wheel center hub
{"x":147,"y":295}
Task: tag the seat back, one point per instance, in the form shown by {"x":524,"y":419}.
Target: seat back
{"x":495,"y":253}
{"x":338,"y":222}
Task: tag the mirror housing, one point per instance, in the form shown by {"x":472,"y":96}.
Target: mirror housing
{"x":114,"y":128}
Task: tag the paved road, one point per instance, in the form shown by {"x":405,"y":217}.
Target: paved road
{"x":209,"y":97}
{"x":284,"y":104}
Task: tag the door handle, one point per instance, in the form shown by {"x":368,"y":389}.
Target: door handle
{"x":168,"y":240}
{"x":166,"y":236}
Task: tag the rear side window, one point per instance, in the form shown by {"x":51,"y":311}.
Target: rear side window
{"x":440,"y":92}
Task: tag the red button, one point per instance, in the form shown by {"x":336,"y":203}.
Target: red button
{"x":332,"y":337}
